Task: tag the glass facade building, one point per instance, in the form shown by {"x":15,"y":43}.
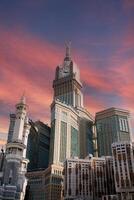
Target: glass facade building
{"x":112,"y":126}
{"x":74,"y":142}
{"x":38,"y":144}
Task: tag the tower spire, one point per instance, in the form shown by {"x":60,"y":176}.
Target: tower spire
{"x":68,"y":51}
{"x":23,"y":98}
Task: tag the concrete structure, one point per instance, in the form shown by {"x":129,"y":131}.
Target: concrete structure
{"x":13,"y":178}
{"x":72,"y":126}
{"x":36,"y":185}
{"x":54,"y":182}
{"x":38,"y":146}
{"x":110,"y":197}
{"x":2,"y":159}
{"x":123,"y":159}
{"x":89,"y":178}
{"x":11,"y":127}
{"x":112,"y":125}
{"x":45,"y":184}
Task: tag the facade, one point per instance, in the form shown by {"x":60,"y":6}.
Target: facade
{"x":54,"y":182}
{"x":13,"y":180}
{"x":67,"y":85}
{"x":113,"y":125}
{"x":72,"y":126}
{"x":110,"y":197}
{"x":38,"y":144}
{"x":45,"y":184}
{"x":2,"y":159}
{"x":89,"y":178}
{"x":123,"y":159}
{"x":36,"y":185}
{"x":11,"y":127}
{"x":65,"y":132}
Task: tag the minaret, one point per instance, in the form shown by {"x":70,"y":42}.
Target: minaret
{"x":21,"y":109}
{"x":16,"y":162}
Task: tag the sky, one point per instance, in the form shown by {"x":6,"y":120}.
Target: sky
{"x":32,"y":43}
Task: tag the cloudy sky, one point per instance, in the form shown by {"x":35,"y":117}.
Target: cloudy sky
{"x":32,"y":38}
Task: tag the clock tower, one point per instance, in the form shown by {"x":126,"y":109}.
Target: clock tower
{"x":67,"y":85}
{"x":71,"y":123}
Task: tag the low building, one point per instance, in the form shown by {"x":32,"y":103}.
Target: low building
{"x":36,"y":185}
{"x":123,"y":160}
{"x":88,"y":178}
{"x":54,"y":182}
{"x":45,"y":184}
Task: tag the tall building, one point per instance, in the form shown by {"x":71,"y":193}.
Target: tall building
{"x":123,"y":159}
{"x":89,"y":178}
{"x":38,"y":155}
{"x":113,"y":125}
{"x":14,"y":182}
{"x":38,"y":144}
{"x":72,"y":125}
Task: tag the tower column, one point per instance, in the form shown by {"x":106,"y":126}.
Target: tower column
{"x":16,"y":162}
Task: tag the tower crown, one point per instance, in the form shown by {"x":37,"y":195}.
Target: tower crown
{"x":67,"y":85}
{"x":68,"y":52}
{"x":20,"y":114}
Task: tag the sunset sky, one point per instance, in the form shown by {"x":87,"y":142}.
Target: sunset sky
{"x":32,"y":44}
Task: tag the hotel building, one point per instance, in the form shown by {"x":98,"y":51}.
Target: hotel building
{"x":112,"y":125}
{"x":89,"y":178}
{"x":72,"y":126}
{"x":123,"y":160}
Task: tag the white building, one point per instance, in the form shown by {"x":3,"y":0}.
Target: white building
{"x":123,"y":159}
{"x":89,"y":178}
{"x":72,"y":126}
{"x":14,"y":182}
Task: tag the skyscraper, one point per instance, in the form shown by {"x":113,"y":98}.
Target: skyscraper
{"x":113,"y":125}
{"x":71,"y":123}
{"x":14,"y":181}
{"x":38,"y":144}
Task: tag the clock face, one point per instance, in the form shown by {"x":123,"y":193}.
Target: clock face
{"x":65,"y":70}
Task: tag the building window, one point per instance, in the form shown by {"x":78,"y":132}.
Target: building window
{"x":63,"y":141}
{"x":74,"y":142}
{"x":123,"y":124}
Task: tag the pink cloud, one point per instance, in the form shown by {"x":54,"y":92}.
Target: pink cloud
{"x":28,"y":63}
